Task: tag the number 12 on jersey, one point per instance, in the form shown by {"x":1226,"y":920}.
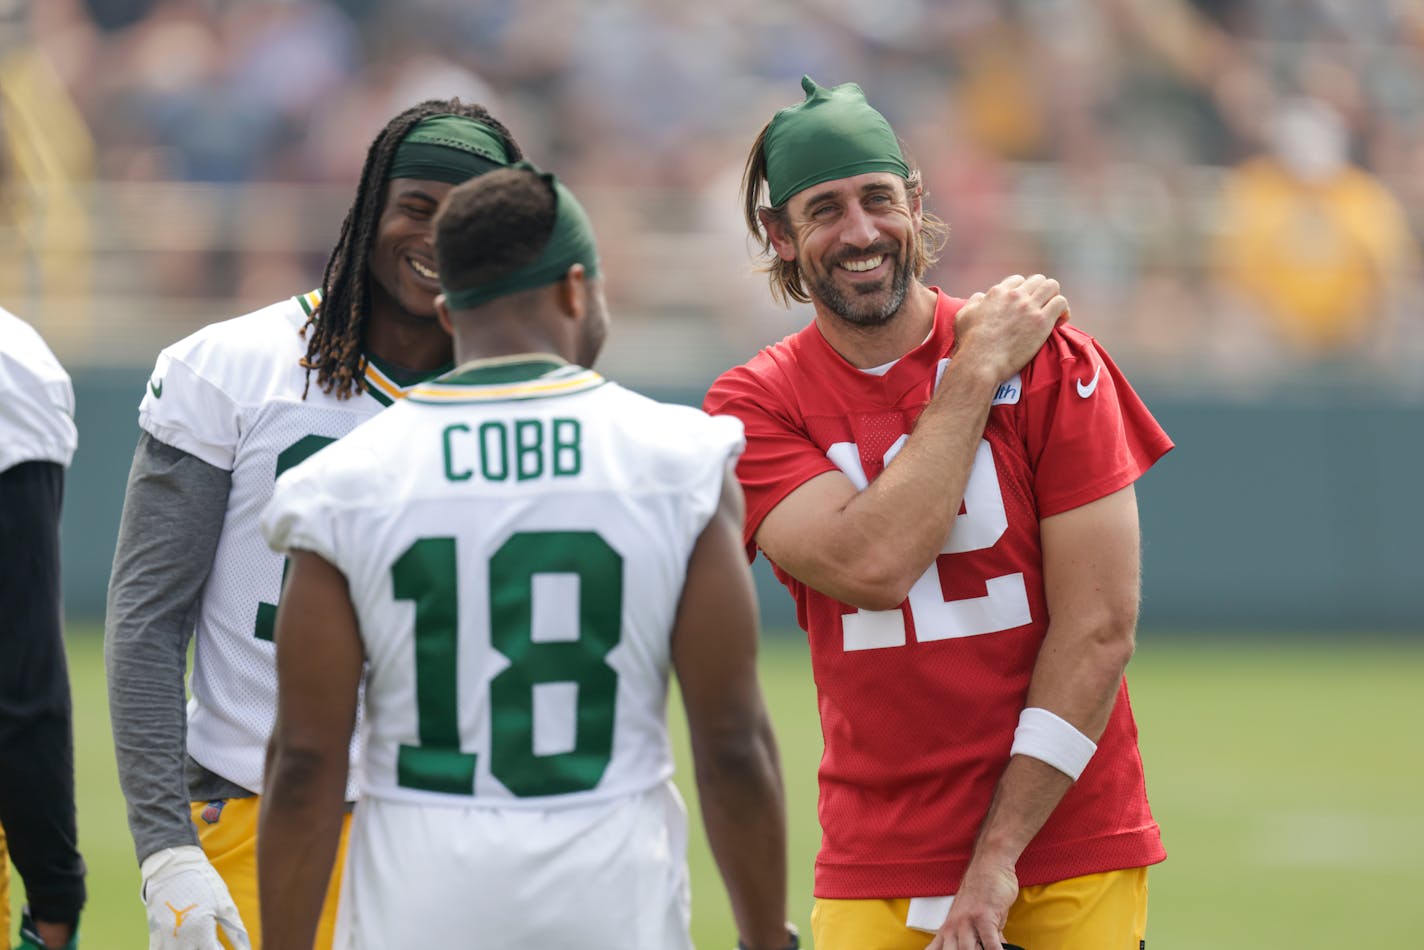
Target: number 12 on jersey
{"x":983,"y":522}
{"x":427,"y":573}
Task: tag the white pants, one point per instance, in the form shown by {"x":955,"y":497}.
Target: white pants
{"x":608,"y":875}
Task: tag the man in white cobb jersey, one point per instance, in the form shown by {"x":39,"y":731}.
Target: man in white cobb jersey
{"x":226,"y":411}
{"x":520,"y":552}
{"x":37,"y":442}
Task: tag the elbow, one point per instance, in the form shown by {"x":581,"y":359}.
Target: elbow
{"x":877,"y":580}
{"x":735,"y":761}
{"x":299,"y":773}
{"x":869,"y":568}
{"x":1117,"y":651}
{"x":290,"y":767}
{"x":882,"y":595}
{"x":1098,"y":640}
{"x":1113,"y":637}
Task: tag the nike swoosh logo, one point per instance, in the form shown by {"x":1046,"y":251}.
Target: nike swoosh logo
{"x":1086,"y":389}
{"x":156,"y":388}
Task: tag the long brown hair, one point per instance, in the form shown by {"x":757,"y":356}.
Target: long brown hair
{"x":785,"y":276}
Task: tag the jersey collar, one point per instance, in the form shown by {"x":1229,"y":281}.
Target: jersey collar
{"x":508,"y":378}
{"x":386,"y":383}
{"x":910,"y":370}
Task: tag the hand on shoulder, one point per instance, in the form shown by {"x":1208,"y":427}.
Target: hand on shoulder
{"x":1001,"y":329}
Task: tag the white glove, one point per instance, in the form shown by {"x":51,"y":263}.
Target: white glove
{"x":187,"y":901}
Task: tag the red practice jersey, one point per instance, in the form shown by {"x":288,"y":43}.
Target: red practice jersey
{"x":919,"y":704}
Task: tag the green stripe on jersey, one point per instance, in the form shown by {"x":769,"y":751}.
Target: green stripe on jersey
{"x":405,"y":378}
{"x":386,"y":383}
{"x":379,"y":396}
{"x":508,"y":379}
{"x":309,"y":301}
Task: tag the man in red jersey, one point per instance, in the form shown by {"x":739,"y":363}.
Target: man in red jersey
{"x":949,"y":499}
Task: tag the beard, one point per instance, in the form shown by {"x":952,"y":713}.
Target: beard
{"x":868,"y":306}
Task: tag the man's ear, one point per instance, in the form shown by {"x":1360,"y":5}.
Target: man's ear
{"x":442,"y":315}
{"x":572,"y":294}
{"x":778,"y":232}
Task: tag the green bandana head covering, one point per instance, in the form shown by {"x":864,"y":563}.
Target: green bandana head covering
{"x":448,"y":148}
{"x":571,"y":242}
{"x":833,"y":134}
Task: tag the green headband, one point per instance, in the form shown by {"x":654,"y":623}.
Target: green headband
{"x":448,"y":148}
{"x":570,"y":243}
{"x":833,"y":134}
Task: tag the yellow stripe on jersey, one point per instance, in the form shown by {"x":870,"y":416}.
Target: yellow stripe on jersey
{"x":383,"y":384}
{"x":532,"y":389}
{"x":310,"y":301}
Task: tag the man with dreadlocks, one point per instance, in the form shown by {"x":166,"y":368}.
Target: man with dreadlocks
{"x":227,"y":410}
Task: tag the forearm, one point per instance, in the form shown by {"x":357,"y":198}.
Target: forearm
{"x":866,"y":545}
{"x":172,"y":518}
{"x":744,"y":812}
{"x":36,"y":740}
{"x":319,"y":657}
{"x":898,"y":525}
{"x":1092,"y":583}
{"x":298,"y":831}
{"x":1076,"y":678}
{"x":1080,"y":688}
{"x":146,"y":708}
{"x":1027,"y":793}
{"x":1079,"y":673}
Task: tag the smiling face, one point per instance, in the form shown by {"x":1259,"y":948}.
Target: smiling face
{"x":402,"y":260}
{"x":853,"y":240}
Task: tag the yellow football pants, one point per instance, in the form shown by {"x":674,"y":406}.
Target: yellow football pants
{"x":1095,"y":912}
{"x":4,"y":891}
{"x":228,"y":835}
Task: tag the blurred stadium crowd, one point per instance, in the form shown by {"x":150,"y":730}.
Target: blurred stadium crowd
{"x":1231,"y":191}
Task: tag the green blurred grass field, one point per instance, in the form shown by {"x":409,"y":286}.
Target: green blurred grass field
{"x":1288,"y":776}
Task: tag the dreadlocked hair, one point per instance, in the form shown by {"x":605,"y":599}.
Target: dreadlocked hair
{"x":336,"y":331}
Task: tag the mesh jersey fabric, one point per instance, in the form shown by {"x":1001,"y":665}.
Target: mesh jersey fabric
{"x":918,"y":705}
{"x":231,"y":394}
{"x":531,"y":548}
{"x":36,"y":399}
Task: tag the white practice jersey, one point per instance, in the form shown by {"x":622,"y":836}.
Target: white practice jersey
{"x":516,"y":577}
{"x":36,"y":399}
{"x":231,"y":394}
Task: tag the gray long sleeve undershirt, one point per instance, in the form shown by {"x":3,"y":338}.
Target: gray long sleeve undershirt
{"x":173,"y":516}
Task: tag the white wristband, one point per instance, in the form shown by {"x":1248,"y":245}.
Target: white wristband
{"x":1054,"y":740}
